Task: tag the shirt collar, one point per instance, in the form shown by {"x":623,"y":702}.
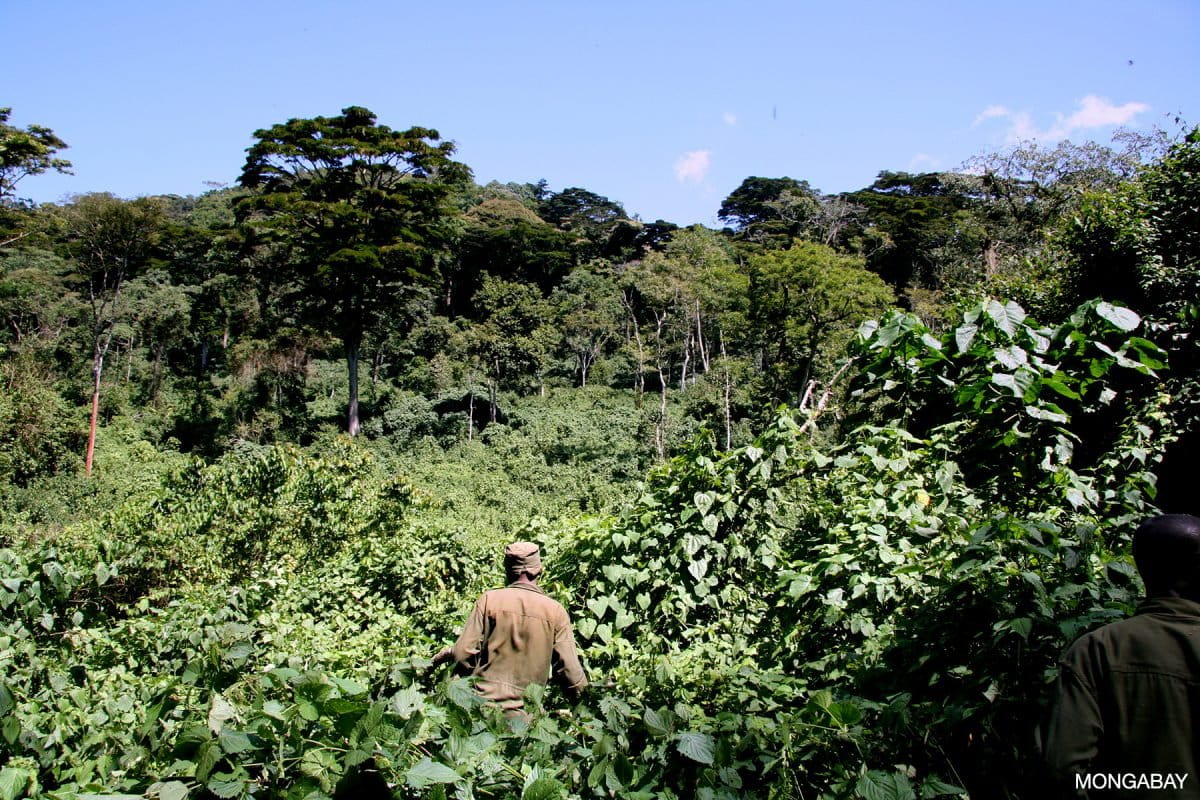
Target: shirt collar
{"x":529,"y":587}
{"x":1175,"y":606}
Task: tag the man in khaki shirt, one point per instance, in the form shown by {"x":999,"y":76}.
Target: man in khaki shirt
{"x":516,"y":636}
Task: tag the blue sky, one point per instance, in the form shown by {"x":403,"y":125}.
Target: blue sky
{"x":664,"y":107}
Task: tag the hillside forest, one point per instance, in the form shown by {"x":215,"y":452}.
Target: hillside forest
{"x":826,"y":491}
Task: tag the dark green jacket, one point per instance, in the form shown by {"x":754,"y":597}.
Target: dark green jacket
{"x":1127,"y":707}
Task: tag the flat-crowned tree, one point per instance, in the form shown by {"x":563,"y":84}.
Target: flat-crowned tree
{"x":365,"y":210}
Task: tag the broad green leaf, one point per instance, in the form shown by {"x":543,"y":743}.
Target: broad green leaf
{"x":544,"y":789}
{"x":696,"y":746}
{"x":655,"y":724}
{"x":321,"y":764}
{"x":936,"y":787}
{"x":1122,"y":318}
{"x":350,"y":688}
{"x":427,"y":772}
{"x":11,"y":729}
{"x":308,"y":710}
{"x":173,"y":790}
{"x":232,"y":741}
{"x":13,"y":782}
{"x":207,"y":757}
{"x":875,"y":785}
{"x":1021,"y":626}
{"x":226,"y":785}
{"x":1012,"y":357}
{"x":407,"y":702}
{"x":1007,"y":317}
{"x":1047,"y":413}
{"x":461,"y":694}
{"x":598,"y":606}
{"x":703,"y":501}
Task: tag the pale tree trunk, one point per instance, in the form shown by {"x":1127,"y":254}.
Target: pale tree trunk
{"x":352,"y":423}
{"x":703,"y":349}
{"x":97,"y":369}
{"x":639,"y":375}
{"x":471,"y":409}
{"x":102,"y":340}
{"x":726,"y":395}
{"x":687,"y":357}
{"x":660,"y":429}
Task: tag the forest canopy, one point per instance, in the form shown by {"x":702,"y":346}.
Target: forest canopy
{"x":826,"y":491}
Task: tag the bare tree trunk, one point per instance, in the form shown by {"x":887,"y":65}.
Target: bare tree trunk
{"x":726,"y":395}
{"x":700,"y":340}
{"x":352,"y":423}
{"x":687,"y":357}
{"x":157,"y":376}
{"x":97,"y":368}
{"x":660,"y":429}
{"x":471,"y":409}
{"x":639,"y":375}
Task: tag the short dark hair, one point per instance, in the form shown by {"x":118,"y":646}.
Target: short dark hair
{"x":1166,"y":550}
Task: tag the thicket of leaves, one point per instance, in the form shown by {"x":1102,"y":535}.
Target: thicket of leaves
{"x":874,"y":619}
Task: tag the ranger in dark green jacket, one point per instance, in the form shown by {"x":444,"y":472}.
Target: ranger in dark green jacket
{"x":1127,"y":705}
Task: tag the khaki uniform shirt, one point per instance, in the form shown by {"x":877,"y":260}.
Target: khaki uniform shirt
{"x":514,"y":637}
{"x":1128,"y":704}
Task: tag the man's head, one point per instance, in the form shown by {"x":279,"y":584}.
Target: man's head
{"x":1167,"y":552}
{"x":522,"y":558}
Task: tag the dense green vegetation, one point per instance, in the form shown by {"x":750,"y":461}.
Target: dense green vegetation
{"x":825,"y":492}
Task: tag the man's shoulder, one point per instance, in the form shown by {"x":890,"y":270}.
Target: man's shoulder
{"x":1158,"y":634}
{"x":526,"y":596}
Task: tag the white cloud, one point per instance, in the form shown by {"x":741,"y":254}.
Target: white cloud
{"x":730,"y":118}
{"x":1097,"y":112}
{"x":1093,"y":112}
{"x":692,"y":167}
{"x":989,"y":113}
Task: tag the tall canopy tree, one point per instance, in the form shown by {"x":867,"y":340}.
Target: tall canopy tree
{"x":366,"y":208}
{"x":112,"y":239}
{"x":805,"y":302}
{"x":771,"y":210}
{"x":599,"y":226}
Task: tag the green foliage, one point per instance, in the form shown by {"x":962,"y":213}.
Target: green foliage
{"x":26,"y":152}
{"x":1018,"y":399}
{"x":805,"y":301}
{"x":37,"y":437}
